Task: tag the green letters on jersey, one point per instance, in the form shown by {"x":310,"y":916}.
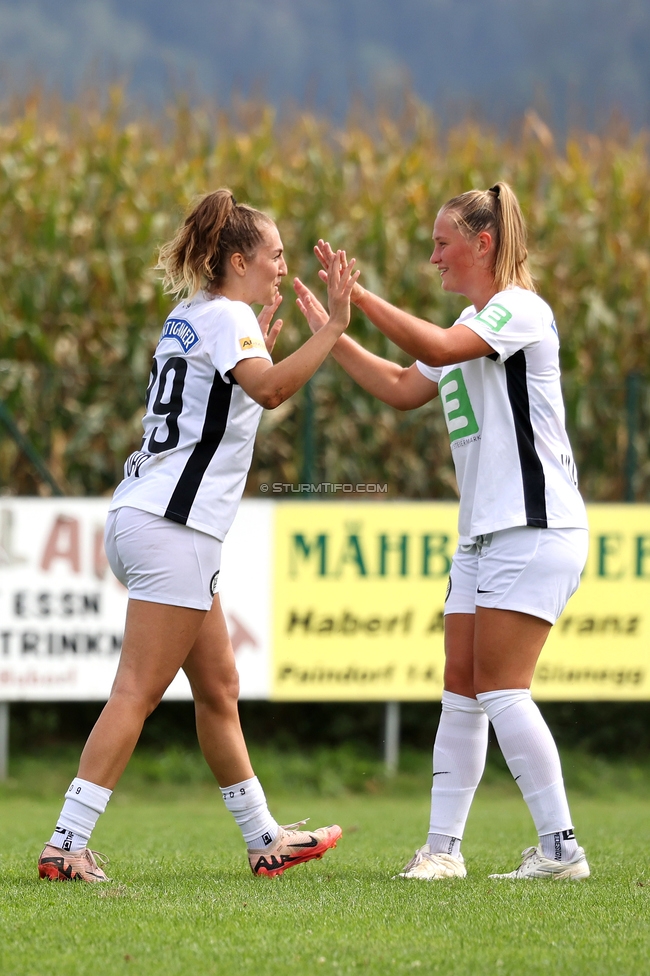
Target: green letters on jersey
{"x":459,"y":415}
{"x":494,"y":316}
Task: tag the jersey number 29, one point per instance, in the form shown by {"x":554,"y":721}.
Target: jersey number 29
{"x":169,"y":409}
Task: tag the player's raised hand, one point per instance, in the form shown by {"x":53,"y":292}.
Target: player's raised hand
{"x":270,"y":332}
{"x":341,"y":279}
{"x":326,"y":256}
{"x":309,"y":305}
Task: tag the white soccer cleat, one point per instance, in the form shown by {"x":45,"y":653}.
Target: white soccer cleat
{"x":535,"y":865}
{"x":425,"y":866}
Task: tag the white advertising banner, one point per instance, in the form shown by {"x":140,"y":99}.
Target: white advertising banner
{"x":323,"y":601}
{"x":62,"y":611}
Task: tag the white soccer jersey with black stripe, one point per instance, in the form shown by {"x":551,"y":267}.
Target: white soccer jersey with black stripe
{"x":505,"y":417}
{"x":200,"y":426}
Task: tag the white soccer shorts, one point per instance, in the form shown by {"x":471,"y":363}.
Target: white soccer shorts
{"x":527,"y":569}
{"x":160,"y":561}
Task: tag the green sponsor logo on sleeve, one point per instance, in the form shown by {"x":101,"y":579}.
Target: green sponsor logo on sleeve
{"x":459,"y":415}
{"x":494,"y":316}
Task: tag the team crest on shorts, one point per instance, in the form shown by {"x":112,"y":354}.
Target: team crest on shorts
{"x":448,"y":589}
{"x":213,"y":583}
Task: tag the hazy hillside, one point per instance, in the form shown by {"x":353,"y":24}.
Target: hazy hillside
{"x":580,"y":58}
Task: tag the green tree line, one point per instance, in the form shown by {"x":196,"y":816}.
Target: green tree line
{"x":88,"y":193}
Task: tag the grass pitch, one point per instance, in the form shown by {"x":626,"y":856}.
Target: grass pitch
{"x":184,"y":902}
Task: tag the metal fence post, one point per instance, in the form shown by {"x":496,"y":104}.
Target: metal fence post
{"x":632,"y":402}
{"x":4,"y":740}
{"x":308,"y":472}
{"x":391,"y":737}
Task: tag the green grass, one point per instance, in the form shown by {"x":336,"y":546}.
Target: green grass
{"x":183,"y":901}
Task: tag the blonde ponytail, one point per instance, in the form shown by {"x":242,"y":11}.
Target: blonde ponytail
{"x":496,"y":210}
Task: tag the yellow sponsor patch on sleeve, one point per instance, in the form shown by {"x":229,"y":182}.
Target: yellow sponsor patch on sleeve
{"x":251,"y":343}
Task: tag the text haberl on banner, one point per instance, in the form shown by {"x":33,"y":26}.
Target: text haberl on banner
{"x":358,"y":600}
{"x":324,"y":601}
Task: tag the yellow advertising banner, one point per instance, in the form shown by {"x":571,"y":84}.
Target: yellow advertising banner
{"x":600,"y":646}
{"x":358,"y":597}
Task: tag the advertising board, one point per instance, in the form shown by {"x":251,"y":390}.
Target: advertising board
{"x":324,"y":601}
{"x":359,"y":592}
{"x":62,"y":611}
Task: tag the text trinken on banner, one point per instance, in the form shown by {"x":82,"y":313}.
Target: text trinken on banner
{"x":62,"y":611}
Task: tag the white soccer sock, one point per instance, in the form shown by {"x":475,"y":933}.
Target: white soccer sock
{"x":458,"y":762}
{"x":532,"y":757}
{"x":83,"y":804}
{"x":247,"y":803}
{"x":559,"y":846}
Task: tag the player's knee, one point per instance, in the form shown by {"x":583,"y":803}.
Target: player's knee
{"x":230,"y":686}
{"x":459,"y":680}
{"x":221,"y":694}
{"x":138,"y":700}
{"x":488,"y":679}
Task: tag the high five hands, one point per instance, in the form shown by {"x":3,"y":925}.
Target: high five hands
{"x":326,"y":256}
{"x":337,"y":273}
{"x":341,"y":279}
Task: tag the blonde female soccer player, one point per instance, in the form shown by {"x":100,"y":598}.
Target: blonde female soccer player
{"x":211,"y":376}
{"x":522,"y":523}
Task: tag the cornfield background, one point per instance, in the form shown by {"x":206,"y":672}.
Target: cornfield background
{"x":89,"y":191}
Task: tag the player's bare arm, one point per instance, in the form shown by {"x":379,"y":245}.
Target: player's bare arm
{"x":429,"y":343}
{"x":399,"y":387}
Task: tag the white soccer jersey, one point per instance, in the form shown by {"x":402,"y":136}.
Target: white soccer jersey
{"x":200,"y":426}
{"x":505,"y":418}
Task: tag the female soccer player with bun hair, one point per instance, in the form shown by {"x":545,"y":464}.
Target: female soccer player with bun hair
{"x":211,"y":376}
{"x":522,"y":523}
